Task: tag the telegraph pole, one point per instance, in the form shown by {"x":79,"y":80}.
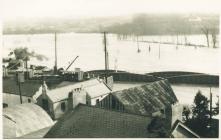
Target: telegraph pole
{"x":20,"y":79}
{"x":211,"y":111}
{"x":55,"y":66}
{"x":19,"y":87}
{"x":105,"y":50}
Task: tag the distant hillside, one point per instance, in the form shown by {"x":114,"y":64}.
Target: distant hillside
{"x":144,"y":24}
{"x":140,"y":24}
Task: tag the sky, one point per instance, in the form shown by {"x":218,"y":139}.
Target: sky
{"x":13,"y":9}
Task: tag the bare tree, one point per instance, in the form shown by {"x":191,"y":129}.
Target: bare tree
{"x":205,"y":30}
{"x":214,"y":38}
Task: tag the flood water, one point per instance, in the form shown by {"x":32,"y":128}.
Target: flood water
{"x":123,"y":54}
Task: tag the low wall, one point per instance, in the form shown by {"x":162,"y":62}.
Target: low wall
{"x":175,"y":77}
{"x":166,"y":74}
{"x":125,"y":76}
{"x":195,"y":79}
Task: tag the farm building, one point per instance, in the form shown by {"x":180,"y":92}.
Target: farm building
{"x":144,"y":100}
{"x":93,"y":122}
{"x":23,"y":119}
{"x":67,"y":95}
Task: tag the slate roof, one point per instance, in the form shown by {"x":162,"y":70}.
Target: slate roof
{"x":28,"y":88}
{"x":147,"y":98}
{"x":92,"y":122}
{"x":24,"y":119}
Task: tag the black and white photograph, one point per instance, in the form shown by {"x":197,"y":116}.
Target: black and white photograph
{"x":110,"y":69}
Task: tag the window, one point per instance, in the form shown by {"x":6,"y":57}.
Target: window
{"x":5,"y":105}
{"x":45,"y":104}
{"x":63,"y":106}
{"x":29,"y":100}
{"x":97,"y":101}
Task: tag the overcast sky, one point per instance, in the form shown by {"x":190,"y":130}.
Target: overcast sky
{"x":13,"y":9}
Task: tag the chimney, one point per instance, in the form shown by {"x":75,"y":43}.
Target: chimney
{"x":44,"y":89}
{"x":70,"y":101}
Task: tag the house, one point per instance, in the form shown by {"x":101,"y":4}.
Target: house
{"x":58,"y":101}
{"x":65,"y":95}
{"x":144,"y":100}
{"x":96,"y":93}
{"x":180,"y":130}
{"x":29,"y":90}
{"x":92,"y":122}
{"x":23,"y":119}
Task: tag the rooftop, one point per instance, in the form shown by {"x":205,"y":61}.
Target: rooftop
{"x":147,"y":98}
{"x":24,"y":119}
{"x":28,"y":88}
{"x":93,"y":87}
{"x":179,"y":130}
{"x":92,"y":122}
{"x":97,"y":90}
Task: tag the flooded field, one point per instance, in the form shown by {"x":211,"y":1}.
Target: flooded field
{"x":123,"y":55}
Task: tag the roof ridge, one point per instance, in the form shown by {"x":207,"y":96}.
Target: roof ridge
{"x":123,"y":112}
{"x":147,"y":84}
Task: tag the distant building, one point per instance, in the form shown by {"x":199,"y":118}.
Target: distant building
{"x":180,"y":130}
{"x":144,"y":100}
{"x":23,"y":119}
{"x":93,"y":122}
{"x":67,"y":95}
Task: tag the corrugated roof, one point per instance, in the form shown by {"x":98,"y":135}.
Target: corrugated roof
{"x":27,"y":117}
{"x":147,"y":98}
{"x":97,"y":90}
{"x":37,"y":134}
{"x":92,"y":122}
{"x":9,"y":127}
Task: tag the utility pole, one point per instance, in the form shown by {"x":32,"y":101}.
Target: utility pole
{"x":159,"y":48}
{"x":211,"y":111}
{"x":159,"y":51}
{"x":55,"y":66}
{"x":105,"y":50}
{"x":19,"y":87}
{"x":20,"y":79}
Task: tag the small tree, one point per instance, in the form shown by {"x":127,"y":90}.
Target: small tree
{"x":25,"y":55}
{"x":201,"y":108}
{"x":216,"y":109}
{"x":200,"y":118}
